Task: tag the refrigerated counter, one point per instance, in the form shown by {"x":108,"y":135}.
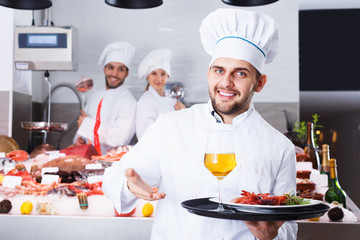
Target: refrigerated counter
{"x":38,"y":227}
{"x":17,"y":227}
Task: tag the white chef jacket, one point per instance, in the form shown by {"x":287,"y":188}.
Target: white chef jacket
{"x":149,"y":107}
{"x":171,"y":155}
{"x":117,"y":117}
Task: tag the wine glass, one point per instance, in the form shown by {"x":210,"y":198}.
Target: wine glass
{"x":220,"y":156}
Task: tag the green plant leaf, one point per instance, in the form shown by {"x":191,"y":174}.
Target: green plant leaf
{"x":301,"y":128}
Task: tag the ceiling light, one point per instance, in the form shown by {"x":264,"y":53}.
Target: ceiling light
{"x":134,"y":4}
{"x":26,"y":4}
{"x":248,"y":3}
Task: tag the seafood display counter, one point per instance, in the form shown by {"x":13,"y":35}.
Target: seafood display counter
{"x":34,"y":227}
{"x":64,"y":219}
{"x":58,"y":213}
{"x":139,"y":228}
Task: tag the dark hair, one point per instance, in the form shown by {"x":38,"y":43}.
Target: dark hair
{"x":127,"y":69}
{"x":258,"y":75}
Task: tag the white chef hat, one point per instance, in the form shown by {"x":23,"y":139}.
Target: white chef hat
{"x":117,"y":52}
{"x":156,"y":59}
{"x":240,"y":34}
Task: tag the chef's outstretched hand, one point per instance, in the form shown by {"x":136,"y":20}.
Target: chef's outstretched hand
{"x":179,"y":105}
{"x":264,"y":230}
{"x":81,"y":118}
{"x":139,"y":188}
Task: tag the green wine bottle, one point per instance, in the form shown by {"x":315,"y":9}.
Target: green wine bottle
{"x":335,"y":193}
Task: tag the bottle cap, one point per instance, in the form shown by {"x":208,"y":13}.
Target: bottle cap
{"x":325,"y":148}
{"x":332,"y":162}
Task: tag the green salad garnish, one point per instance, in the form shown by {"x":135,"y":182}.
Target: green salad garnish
{"x":292,"y":199}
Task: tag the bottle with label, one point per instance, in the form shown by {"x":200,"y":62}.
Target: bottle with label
{"x":311,"y":152}
{"x":325,"y":168}
{"x":335,"y":193}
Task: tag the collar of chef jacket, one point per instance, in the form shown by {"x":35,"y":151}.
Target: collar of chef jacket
{"x":161,"y":98}
{"x":237,"y":120}
{"x":117,"y":90}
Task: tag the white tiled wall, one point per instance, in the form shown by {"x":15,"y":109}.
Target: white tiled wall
{"x":6,"y":68}
{"x":4,"y":112}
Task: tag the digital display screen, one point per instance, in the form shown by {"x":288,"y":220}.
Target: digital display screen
{"x":42,"y":40}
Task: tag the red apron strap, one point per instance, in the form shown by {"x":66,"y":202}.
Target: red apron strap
{"x":96,"y":128}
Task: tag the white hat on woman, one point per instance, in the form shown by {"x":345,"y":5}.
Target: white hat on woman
{"x":122,"y":52}
{"x":240,"y":34}
{"x":156,"y":59}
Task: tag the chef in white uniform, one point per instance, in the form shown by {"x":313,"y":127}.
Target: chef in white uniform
{"x":155,"y":69}
{"x":109,"y":115}
{"x":240,"y":43}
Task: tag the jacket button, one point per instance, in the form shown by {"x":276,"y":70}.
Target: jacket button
{"x":187,"y":236}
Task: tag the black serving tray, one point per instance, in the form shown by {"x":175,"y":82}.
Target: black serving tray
{"x":204,"y":207}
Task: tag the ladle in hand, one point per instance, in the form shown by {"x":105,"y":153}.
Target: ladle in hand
{"x":177,"y":92}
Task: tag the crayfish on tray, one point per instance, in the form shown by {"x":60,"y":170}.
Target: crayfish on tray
{"x":260,"y":199}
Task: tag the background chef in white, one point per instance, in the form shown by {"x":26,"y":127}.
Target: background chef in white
{"x":155,"y":69}
{"x":240,"y":43}
{"x":114,"y":120}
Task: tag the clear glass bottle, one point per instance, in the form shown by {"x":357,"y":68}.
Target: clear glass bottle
{"x":325,"y":168}
{"x":311,"y":152}
{"x":335,"y":193}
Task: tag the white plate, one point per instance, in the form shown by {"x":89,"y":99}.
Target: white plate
{"x":203,"y":207}
{"x":257,"y":208}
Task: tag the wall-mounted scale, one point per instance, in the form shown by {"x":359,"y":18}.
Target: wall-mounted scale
{"x":45,"y":48}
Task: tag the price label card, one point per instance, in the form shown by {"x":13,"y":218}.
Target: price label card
{"x":304,"y":166}
{"x":11,"y":181}
{"x":55,"y":154}
{"x":2,"y":154}
{"x":49,"y":179}
{"x":49,"y":170}
{"x":93,"y":166}
{"x":94,"y":179}
{"x":320,"y":180}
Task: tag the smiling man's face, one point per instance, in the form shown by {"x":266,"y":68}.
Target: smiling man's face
{"x":232,"y":84}
{"x":115,"y":74}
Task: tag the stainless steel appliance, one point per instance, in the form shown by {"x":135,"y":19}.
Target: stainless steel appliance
{"x":45,"y":48}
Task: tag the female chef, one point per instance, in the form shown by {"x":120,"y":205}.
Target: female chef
{"x":155,"y":68}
